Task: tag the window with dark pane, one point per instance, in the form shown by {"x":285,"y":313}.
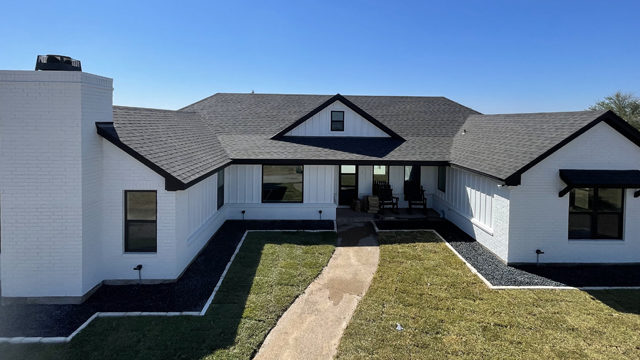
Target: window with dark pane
{"x":412,"y":188}
{"x":220,"y":195}
{"x":337,"y":121}
{"x":596,"y":213}
{"x":140,"y":233}
{"x":282,"y":183}
{"x":442,"y":178}
{"x":412,"y":174}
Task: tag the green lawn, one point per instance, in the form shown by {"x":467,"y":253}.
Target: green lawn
{"x":447,"y":312}
{"x":269,"y":272}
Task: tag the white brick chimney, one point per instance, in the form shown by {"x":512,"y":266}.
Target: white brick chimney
{"x":50,"y":181}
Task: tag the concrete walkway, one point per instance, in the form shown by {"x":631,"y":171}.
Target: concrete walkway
{"x":312,"y":327}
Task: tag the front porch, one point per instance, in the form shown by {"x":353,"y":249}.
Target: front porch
{"x":403,"y":185}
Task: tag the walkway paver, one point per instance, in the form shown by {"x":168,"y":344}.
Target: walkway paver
{"x":312,"y":327}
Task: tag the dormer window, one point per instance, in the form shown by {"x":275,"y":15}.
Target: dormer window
{"x":337,"y":121}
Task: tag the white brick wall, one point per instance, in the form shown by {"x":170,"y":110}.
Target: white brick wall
{"x":41,"y":127}
{"x":539,"y":218}
{"x":122,"y":172}
{"x":96,"y":107}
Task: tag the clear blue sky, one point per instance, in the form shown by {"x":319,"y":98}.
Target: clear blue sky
{"x":493,"y":56}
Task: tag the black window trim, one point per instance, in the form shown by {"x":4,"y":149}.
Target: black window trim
{"x":340,"y":180}
{"x":444,"y":185}
{"x":337,"y":121}
{"x":220,"y":199}
{"x":593,"y":213}
{"x":280,"y":202}
{"x":126,"y":223}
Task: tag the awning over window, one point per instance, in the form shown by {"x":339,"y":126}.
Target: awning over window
{"x":600,"y":178}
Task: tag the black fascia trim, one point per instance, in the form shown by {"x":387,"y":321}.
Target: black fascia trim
{"x":609,"y":117}
{"x":335,"y":162}
{"x":206,"y":175}
{"x":478,"y":172}
{"x":171,"y":182}
{"x":350,"y":105}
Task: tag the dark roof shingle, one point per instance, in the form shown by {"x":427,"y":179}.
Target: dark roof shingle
{"x":179,"y":142}
{"x":500,"y":145}
{"x":200,"y":138}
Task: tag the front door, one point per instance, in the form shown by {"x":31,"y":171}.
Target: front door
{"x":348,"y":184}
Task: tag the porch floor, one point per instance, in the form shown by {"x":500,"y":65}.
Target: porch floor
{"x":349,"y":215}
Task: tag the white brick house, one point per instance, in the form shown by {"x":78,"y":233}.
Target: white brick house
{"x":89,"y":190}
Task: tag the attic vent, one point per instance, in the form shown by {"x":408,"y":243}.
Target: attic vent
{"x":57,"y":63}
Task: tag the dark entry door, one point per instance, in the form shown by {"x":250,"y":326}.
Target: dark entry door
{"x":348,"y":184}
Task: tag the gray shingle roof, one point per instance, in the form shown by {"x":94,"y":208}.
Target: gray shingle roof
{"x":202,"y":137}
{"x":500,"y":145}
{"x":245,"y":124}
{"x":179,"y":142}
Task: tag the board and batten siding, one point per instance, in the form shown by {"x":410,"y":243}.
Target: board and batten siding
{"x":478,"y":206}
{"x":320,"y":124}
{"x":540,"y":218}
{"x":197,"y":219}
{"x":245,"y":193}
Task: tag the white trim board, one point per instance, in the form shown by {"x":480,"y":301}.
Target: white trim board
{"x":508,"y":287}
{"x":205,"y":308}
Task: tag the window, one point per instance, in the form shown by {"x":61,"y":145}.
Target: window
{"x":140,"y":233}
{"x":380,"y":174}
{"x":337,"y":121}
{"x":595,"y":213}
{"x":412,"y":174}
{"x":282,"y":183}
{"x":442,"y":178}
{"x":220,"y":196}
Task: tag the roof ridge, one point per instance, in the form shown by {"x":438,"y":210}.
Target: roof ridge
{"x":546,"y":113}
{"x":151,"y":109}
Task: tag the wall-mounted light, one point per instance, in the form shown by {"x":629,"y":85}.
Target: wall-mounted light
{"x":538,"y":253}
{"x":139,"y":269}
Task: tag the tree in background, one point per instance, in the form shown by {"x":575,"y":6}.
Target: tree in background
{"x":626,"y":105}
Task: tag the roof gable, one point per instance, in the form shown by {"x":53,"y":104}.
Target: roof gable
{"x":358,"y":123}
{"x":505,"y":146}
{"x":609,"y":117}
{"x":178,"y":145}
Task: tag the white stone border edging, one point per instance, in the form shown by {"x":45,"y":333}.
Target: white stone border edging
{"x":66,"y":339}
{"x":508,"y":287}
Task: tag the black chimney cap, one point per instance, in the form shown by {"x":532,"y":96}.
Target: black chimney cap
{"x":57,"y":63}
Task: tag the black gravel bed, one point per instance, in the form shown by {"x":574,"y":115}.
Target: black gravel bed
{"x":500,"y":274}
{"x":189,"y":293}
